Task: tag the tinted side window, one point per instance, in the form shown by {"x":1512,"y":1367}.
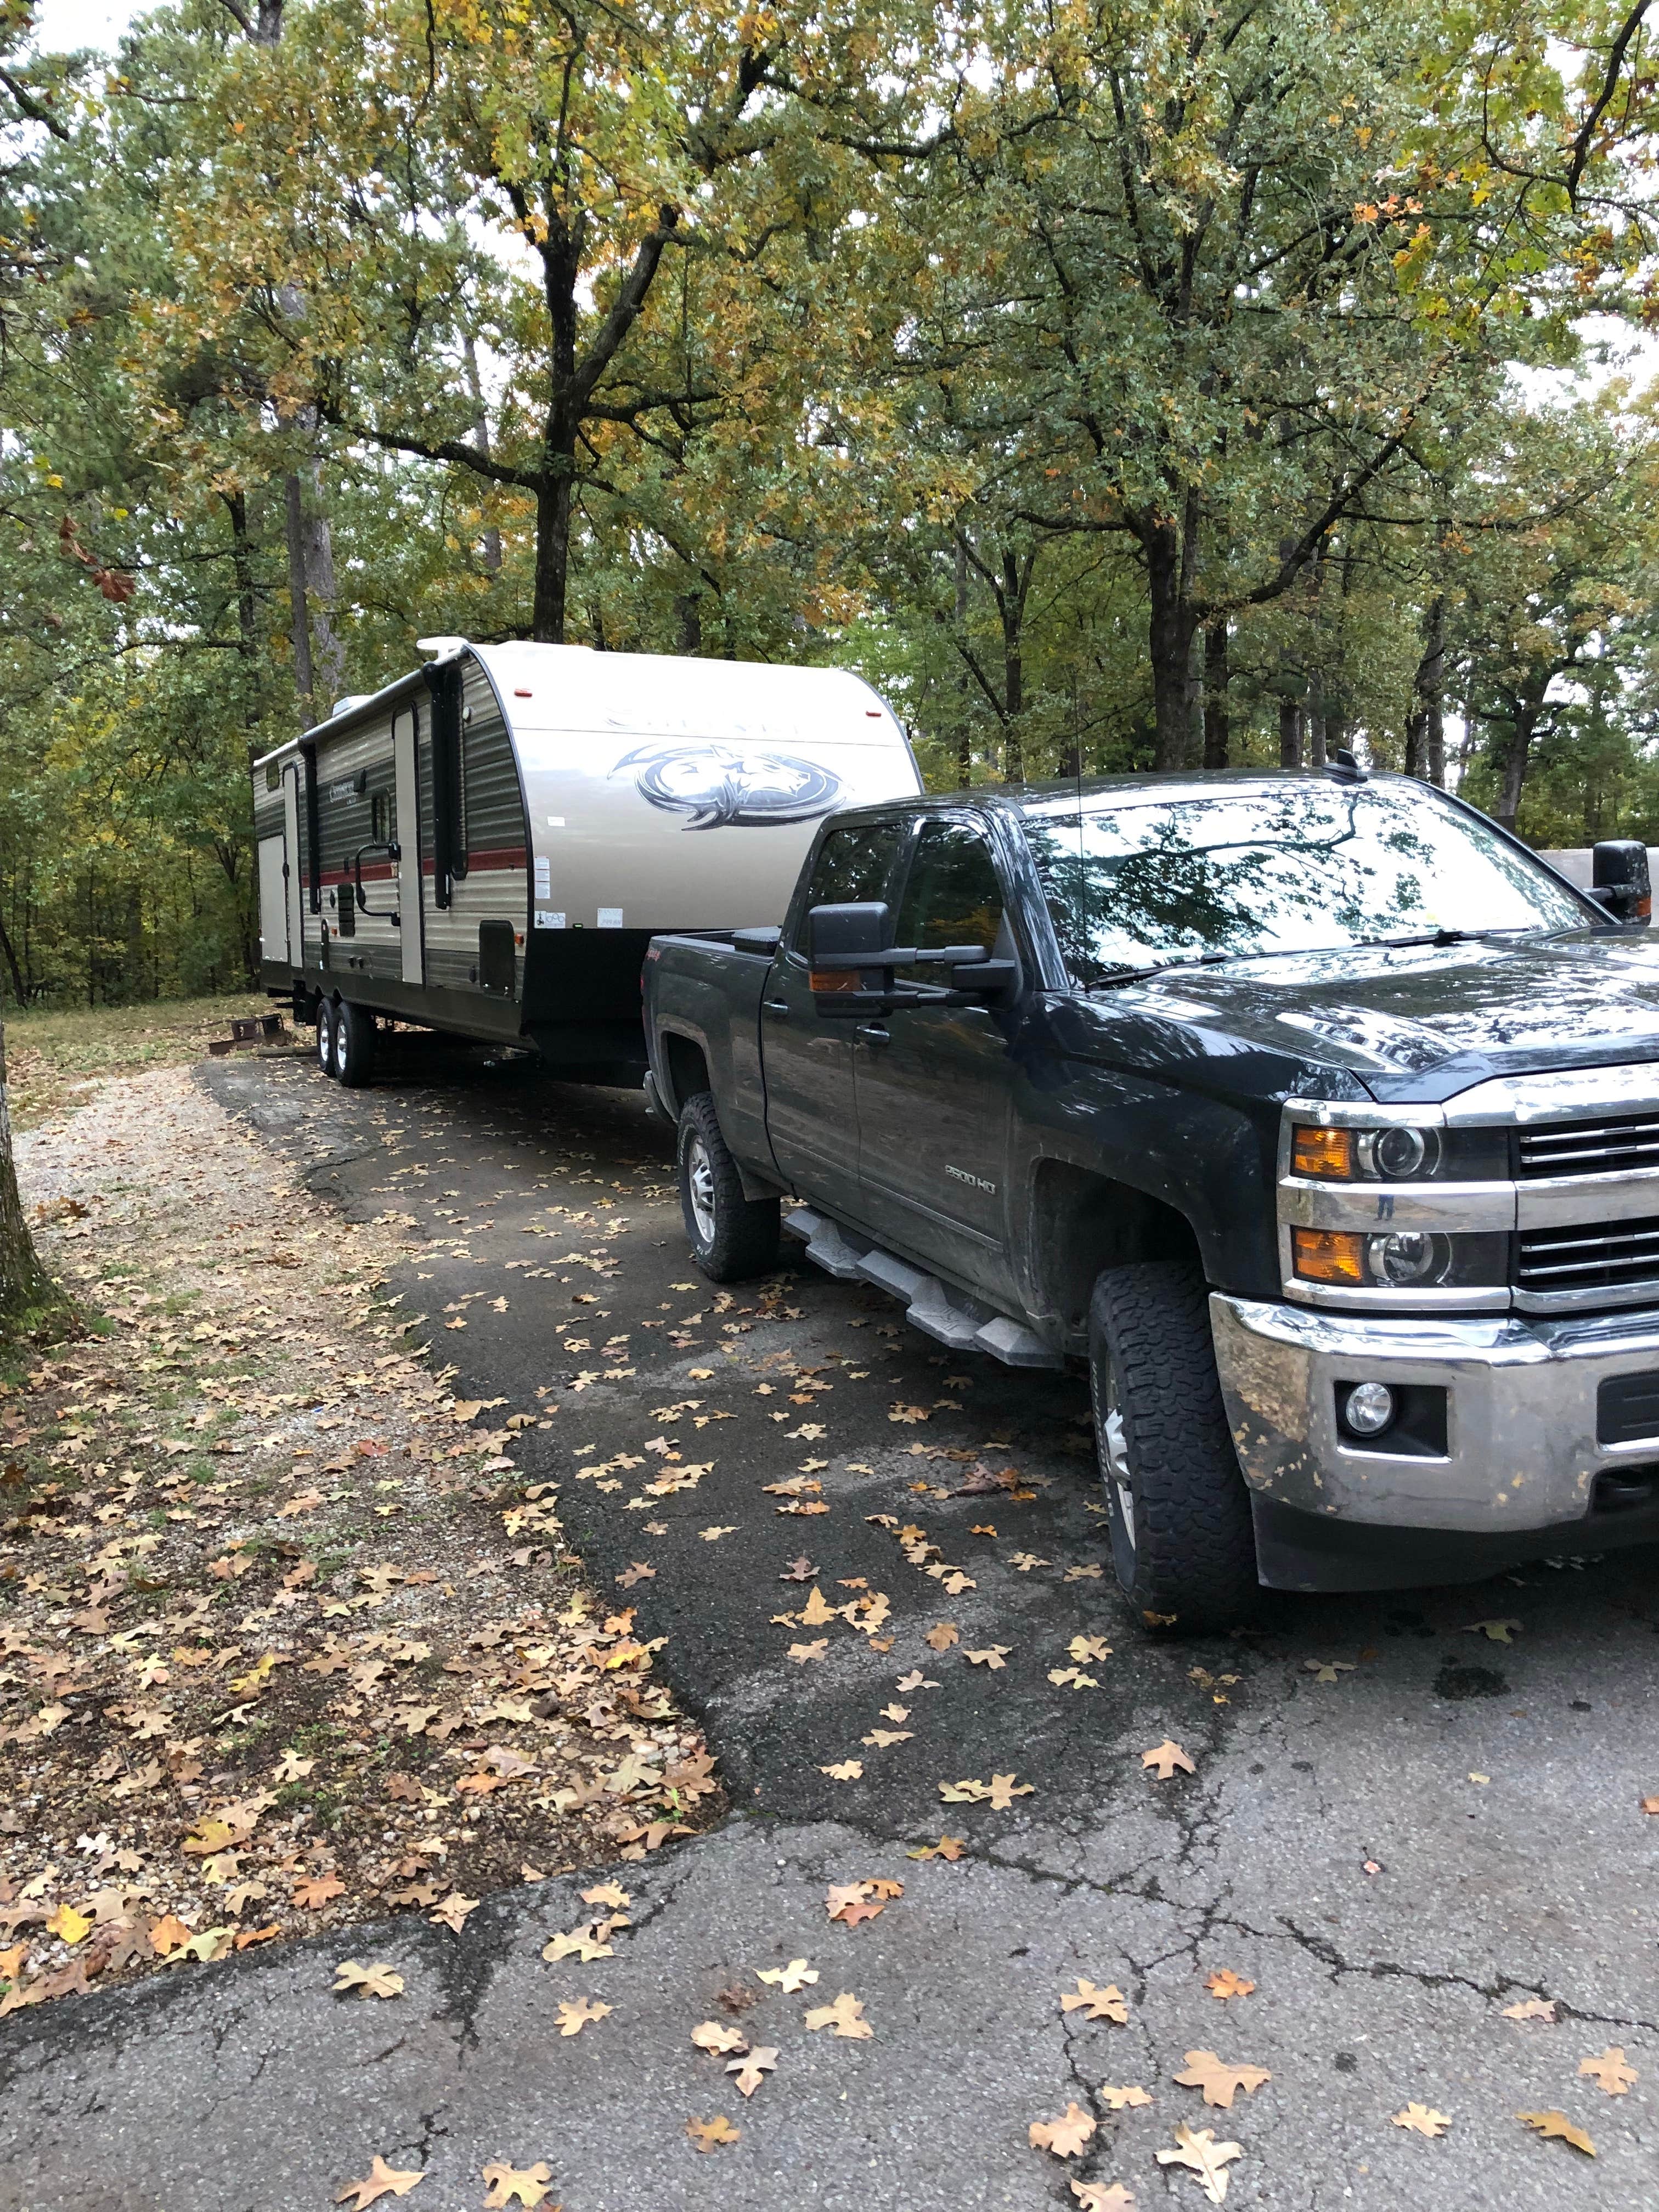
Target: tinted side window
{"x":852,"y":865}
{"x":952,"y":895}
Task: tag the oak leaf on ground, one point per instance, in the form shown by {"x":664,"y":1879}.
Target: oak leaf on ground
{"x":1423,"y":2120}
{"x":706,"y":2135}
{"x":753,"y":2067}
{"x":845,"y":2017}
{"x":718,"y":2041}
{"x":1164,"y":1758}
{"x":1223,"y":1982}
{"x":1209,"y":2159}
{"x":1109,"y":2003}
{"x":1101,"y":2196}
{"x":795,"y":1976}
{"x":452,"y":1912}
{"x":1065,"y":2136}
{"x":316,"y":1890}
{"x":375,"y":1980}
{"x":846,"y":1770}
{"x":574,"y":2017}
{"x":1121,"y":2101}
{"x":995,"y":1657}
{"x":512,"y":2185}
{"x":1610,"y":2071}
{"x":380,"y":2180}
{"x":947,"y":1847}
{"x":940,"y":1636}
{"x":1220,"y":2081}
{"x":1557,"y":2125}
{"x":1532,"y":2008}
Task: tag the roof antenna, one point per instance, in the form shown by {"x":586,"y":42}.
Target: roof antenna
{"x":1345,"y":768}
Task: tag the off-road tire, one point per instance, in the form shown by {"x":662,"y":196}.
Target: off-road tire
{"x":326,"y":1036}
{"x":353,"y":1046}
{"x":1191,"y":1566}
{"x":732,"y":1237}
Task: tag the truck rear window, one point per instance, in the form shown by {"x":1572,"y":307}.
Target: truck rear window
{"x":1140,"y":880}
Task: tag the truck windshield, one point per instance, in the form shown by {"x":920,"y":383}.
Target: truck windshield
{"x":1142,"y":880}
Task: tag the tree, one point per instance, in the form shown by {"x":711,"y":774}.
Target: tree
{"x":25,"y":1286}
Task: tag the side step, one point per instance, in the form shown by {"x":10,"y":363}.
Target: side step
{"x":949,"y":1317}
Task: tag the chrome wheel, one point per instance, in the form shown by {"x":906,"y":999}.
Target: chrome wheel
{"x":340,"y":1046}
{"x":700,"y":1185}
{"x":326,"y":1038}
{"x":1121,"y":1494}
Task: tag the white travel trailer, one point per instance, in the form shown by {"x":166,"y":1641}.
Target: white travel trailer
{"x":486,"y":845}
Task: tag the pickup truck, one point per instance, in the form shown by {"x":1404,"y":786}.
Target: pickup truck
{"x":1311,"y":1111}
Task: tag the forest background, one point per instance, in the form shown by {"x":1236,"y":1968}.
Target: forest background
{"x":1116,"y":383}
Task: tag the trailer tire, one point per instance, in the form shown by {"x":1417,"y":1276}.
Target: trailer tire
{"x":1183,"y":1544}
{"x":326,"y":1036}
{"x":732,"y":1237}
{"x":353,"y":1046}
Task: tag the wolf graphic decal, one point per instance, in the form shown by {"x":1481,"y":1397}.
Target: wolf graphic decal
{"x":719,"y":787}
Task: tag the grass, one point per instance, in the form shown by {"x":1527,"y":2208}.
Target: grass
{"x":53,"y":1056}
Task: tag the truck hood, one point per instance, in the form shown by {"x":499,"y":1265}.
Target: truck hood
{"x":1423,"y":1022}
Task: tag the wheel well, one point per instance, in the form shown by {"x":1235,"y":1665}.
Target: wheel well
{"x":688,"y":1068}
{"x":1082,"y":1224}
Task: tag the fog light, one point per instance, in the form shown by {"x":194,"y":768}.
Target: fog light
{"x":1370,"y":1409}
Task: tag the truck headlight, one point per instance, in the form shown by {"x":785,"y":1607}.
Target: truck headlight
{"x":1391,"y":1155}
{"x":1408,"y":1256}
{"x":1402,"y":1260}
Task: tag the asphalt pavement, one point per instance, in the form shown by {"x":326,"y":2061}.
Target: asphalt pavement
{"x":1407,"y":1816}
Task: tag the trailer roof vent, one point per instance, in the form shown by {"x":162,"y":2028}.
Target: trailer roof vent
{"x":441,"y":648}
{"x":352,"y":699}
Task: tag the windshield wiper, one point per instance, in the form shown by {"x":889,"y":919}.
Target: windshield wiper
{"x":1448,"y":936}
{"x":1160,"y":968}
{"x":1297,"y":952}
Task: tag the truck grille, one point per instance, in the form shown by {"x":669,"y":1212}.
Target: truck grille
{"x":1612,"y":1258}
{"x":1577,"y":1148}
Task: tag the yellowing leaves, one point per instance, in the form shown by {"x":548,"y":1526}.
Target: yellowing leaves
{"x":1109,"y":2003}
{"x":1423,"y":2120}
{"x":1219,"y":2081}
{"x":380,"y":2180}
{"x":709,"y":2135}
{"x":1558,"y":2127}
{"x":512,"y":2185}
{"x":1065,"y":2137}
{"x":377,"y":1980}
{"x":844,"y":2018}
{"x":574,"y":2017}
{"x":1203,"y":2155}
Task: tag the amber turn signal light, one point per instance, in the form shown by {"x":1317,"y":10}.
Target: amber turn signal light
{"x":1323,"y":1152}
{"x":822,"y":980}
{"x":1328,"y":1255}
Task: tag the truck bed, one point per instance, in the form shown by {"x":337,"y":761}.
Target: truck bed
{"x":702,"y":1024}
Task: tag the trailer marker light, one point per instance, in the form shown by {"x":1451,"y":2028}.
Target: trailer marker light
{"x":521,"y":693}
{"x":1328,"y":1255}
{"x":1323,"y":1152}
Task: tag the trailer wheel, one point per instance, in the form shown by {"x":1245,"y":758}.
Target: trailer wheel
{"x":353,"y":1046}
{"x":732,"y":1237}
{"x":1183,"y":1545}
{"x":326,"y":1036}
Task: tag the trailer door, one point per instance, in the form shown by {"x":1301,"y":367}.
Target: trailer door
{"x":409,"y":846}
{"x":296,"y":942}
{"x":273,"y":899}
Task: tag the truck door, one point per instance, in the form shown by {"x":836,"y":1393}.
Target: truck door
{"x":933,"y":1084}
{"x":806,"y":1060}
{"x":408,"y":846}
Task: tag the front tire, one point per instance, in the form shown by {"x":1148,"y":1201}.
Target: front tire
{"x":353,"y":1046}
{"x":1183,"y":1545}
{"x":732,"y":1237}
{"x":326,"y":1036}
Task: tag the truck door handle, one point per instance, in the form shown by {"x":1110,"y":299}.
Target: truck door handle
{"x":778,"y":1006}
{"x":873,"y":1033}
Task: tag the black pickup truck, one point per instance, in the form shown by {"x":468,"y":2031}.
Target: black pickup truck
{"x":1312,"y":1111}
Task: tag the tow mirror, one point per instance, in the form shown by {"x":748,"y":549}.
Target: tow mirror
{"x":1620,"y":879}
{"x":842,"y":942}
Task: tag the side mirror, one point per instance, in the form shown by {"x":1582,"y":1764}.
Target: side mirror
{"x":1620,"y":879}
{"x":853,"y":933}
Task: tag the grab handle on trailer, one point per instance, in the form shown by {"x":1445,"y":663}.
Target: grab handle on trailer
{"x":392,"y":853}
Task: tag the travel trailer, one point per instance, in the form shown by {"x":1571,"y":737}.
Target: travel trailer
{"x":486,"y":845}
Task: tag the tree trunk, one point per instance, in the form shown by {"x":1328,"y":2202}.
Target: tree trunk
{"x":1289,"y":733}
{"x":24,"y":1284}
{"x":490,"y":546}
{"x":1171,"y":625}
{"x":304,"y":682}
{"x":241,"y":561}
{"x":1425,"y":729}
{"x":553,"y":507}
{"x":1515,"y":756}
{"x":1317,"y":727}
{"x":1218,"y":725}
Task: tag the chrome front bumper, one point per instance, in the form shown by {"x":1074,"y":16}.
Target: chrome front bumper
{"x":1522,"y":1450}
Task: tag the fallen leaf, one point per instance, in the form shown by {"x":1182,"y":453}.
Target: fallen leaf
{"x":166,"y":1935}
{"x":845,"y":2016}
{"x":915,"y":1679}
{"x":994,"y":1658}
{"x":1610,"y":2071}
{"x":718,"y":2041}
{"x":885,"y":1738}
{"x":1497,"y":1631}
{"x":608,"y":1893}
{"x":707,"y":2134}
{"x":635,"y":1571}
{"x":1206,"y":2157}
{"x":846,"y":1901}
{"x":1557,"y":2125}
{"x":1328,"y":1670}
{"x":849,"y":1770}
{"x":316,"y":1890}
{"x":380,"y":1980}
{"x":947,"y":1847}
{"x":789,"y":1978}
{"x":1121,"y":2101}
{"x":1065,"y":2136}
{"x":1223,"y":1982}
{"x":714,"y":1536}
{"x":818,"y":1610}
{"x":1003,"y":1790}
{"x":1532,"y":2008}
{"x":753,"y":2067}
{"x":69,"y":1926}
{"x":1096,"y":2196}
{"x":1109,"y":2003}
{"x":1650,"y":1804}
{"x":800,"y":1653}
{"x":1219,"y":2081}
{"x":939,"y":1638}
{"x":1424,"y":2119}
{"x":574,"y":2017}
{"x":1165,"y":1757}
{"x":452,"y":1912}
{"x":380,"y":2180}
{"x":509,"y":2184}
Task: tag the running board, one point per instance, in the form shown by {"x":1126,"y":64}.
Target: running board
{"x":950,"y":1318}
